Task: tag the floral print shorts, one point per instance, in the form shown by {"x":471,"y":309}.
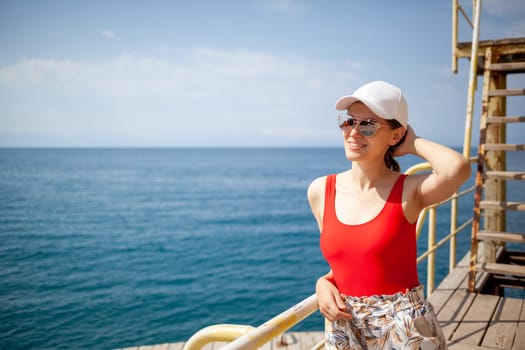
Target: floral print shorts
{"x":387,"y":322}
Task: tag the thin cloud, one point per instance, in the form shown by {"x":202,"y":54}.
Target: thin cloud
{"x":144,"y":97}
{"x":503,"y":7}
{"x":107,"y":34}
{"x":516,"y":30}
{"x":281,"y":5}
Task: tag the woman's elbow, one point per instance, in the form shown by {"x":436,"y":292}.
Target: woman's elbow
{"x":464,"y":169}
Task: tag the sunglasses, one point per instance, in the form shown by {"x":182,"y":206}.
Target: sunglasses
{"x":367,"y":128}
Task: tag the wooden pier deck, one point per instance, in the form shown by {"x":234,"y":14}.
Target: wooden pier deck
{"x":470,"y":321}
{"x":477,"y":321}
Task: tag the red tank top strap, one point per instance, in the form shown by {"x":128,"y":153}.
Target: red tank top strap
{"x":396,"y":194}
{"x":329,"y":198}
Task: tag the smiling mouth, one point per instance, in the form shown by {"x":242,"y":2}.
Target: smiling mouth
{"x":353,"y":145}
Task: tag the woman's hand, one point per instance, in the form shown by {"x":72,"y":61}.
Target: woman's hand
{"x":407,"y":146}
{"x":331,"y":304}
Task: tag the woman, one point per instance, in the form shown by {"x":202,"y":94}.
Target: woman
{"x":372,"y":298}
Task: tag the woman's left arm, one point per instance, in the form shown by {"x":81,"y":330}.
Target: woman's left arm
{"x":449,"y":169}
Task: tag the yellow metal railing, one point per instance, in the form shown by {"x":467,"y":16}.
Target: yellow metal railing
{"x":216,"y":333}
{"x":472,"y":84}
{"x":431,"y":212}
{"x":247,"y":337}
{"x":456,"y":7}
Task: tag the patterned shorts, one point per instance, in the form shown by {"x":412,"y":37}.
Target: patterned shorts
{"x":387,"y":322}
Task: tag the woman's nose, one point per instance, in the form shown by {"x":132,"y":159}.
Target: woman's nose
{"x":354,"y":131}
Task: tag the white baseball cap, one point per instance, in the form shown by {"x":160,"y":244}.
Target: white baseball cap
{"x":382,"y":98}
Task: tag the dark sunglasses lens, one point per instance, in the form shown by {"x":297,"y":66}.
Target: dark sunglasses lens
{"x":346,"y":122}
{"x":367,"y":129}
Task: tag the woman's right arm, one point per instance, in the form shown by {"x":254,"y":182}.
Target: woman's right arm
{"x":316,"y":199}
{"x":331,"y":304}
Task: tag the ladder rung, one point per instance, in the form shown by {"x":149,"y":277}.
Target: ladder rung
{"x":506,"y":175}
{"x":503,"y":147}
{"x":519,"y":206}
{"x":506,"y":92}
{"x":515,"y":257}
{"x":507,"y":67}
{"x":500,"y":120}
{"x":503,"y":269}
{"x":501,"y":236}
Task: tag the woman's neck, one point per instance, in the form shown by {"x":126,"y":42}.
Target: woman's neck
{"x":367,"y":176}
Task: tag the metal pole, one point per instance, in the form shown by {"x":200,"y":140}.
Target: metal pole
{"x":431,"y":263}
{"x":453,"y":228}
{"x":472,"y":79}
{"x":454,"y":35}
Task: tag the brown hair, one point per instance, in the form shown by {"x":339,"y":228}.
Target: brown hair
{"x":390,"y":161}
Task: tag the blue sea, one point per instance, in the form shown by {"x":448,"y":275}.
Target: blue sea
{"x":108,"y":248}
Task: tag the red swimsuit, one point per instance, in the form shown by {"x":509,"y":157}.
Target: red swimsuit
{"x":374,"y":258}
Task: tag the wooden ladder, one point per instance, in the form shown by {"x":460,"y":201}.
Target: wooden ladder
{"x":489,"y":260}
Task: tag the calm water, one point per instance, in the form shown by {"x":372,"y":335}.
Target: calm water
{"x":113,"y":248}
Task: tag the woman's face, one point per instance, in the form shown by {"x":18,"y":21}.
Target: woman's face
{"x":359,"y":147}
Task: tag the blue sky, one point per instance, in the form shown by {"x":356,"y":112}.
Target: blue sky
{"x":227,"y":73}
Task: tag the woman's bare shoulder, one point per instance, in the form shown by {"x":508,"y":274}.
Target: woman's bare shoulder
{"x":317,"y":186}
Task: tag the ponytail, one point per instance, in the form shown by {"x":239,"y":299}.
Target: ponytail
{"x":390,"y":162}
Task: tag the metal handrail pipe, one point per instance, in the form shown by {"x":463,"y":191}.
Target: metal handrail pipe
{"x":215,"y":333}
{"x":277,"y":325}
{"x":425,"y":166}
{"x":420,"y":222}
{"x":472,"y":79}
{"x":454,"y":35}
{"x":443,"y":241}
{"x":465,"y":16}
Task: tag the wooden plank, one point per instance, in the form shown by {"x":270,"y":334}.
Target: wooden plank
{"x":505,"y":120}
{"x":502,"y":328}
{"x":506,"y":92}
{"x":453,"y":281}
{"x":519,"y":206}
{"x":460,"y":346}
{"x":507,"y":67}
{"x":318,"y":339}
{"x":501,"y":236}
{"x":472,"y":327}
{"x":452,"y":313}
{"x":288,"y":341}
{"x":310,"y":339}
{"x":176,"y":346}
{"x":503,"y":147}
{"x":297,"y":340}
{"x":451,"y":299}
{"x":519,"y":338}
{"x":507,"y":175}
{"x":503,"y":269}
{"x":507,"y":46}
